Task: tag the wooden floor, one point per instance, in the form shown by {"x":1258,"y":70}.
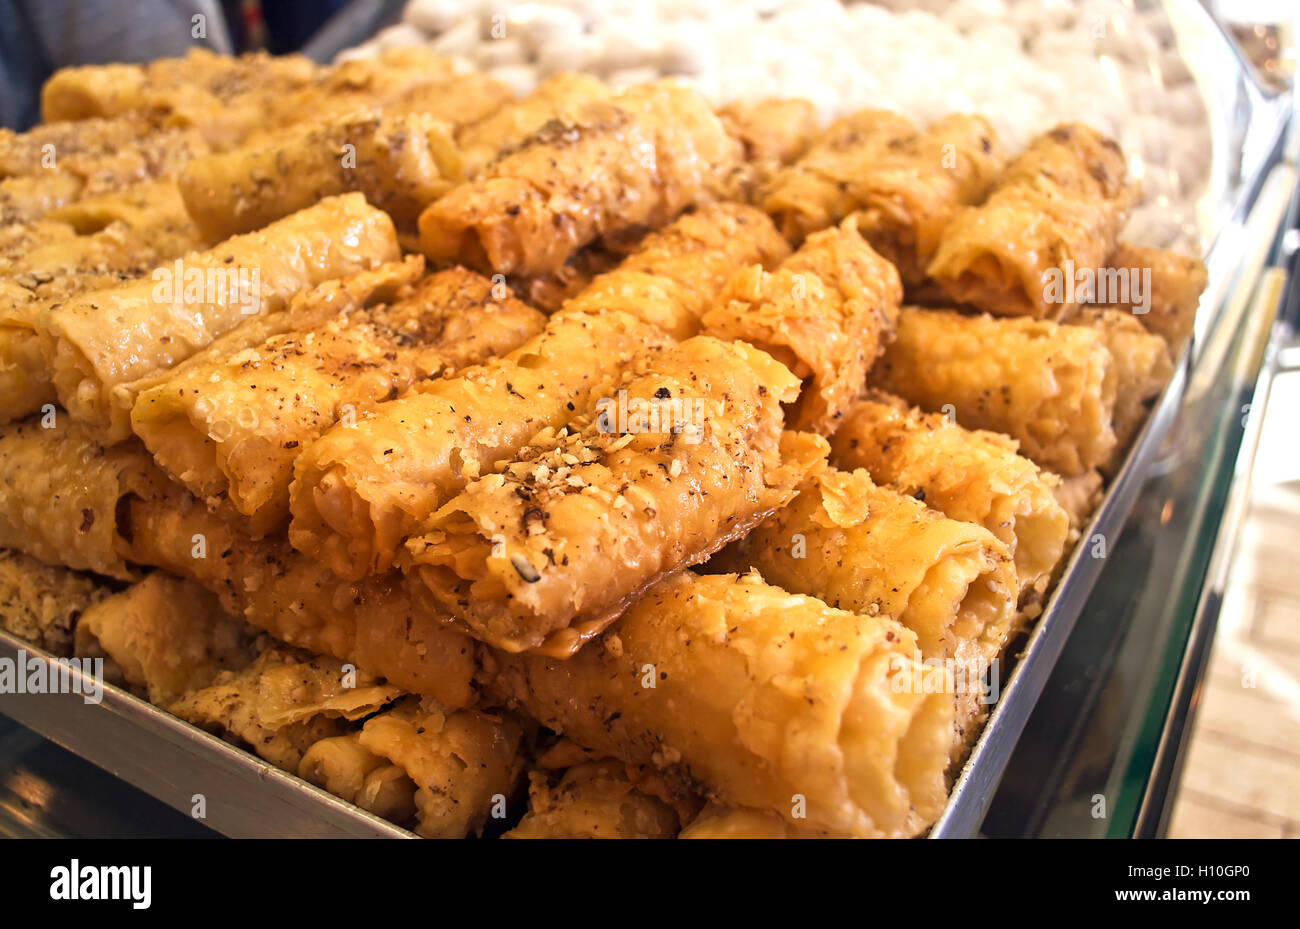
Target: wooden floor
{"x":1241,"y":777}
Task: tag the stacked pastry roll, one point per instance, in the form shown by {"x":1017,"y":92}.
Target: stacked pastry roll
{"x":230,"y":422}
{"x":1050,"y":387}
{"x":874,"y":551}
{"x":682,"y":456}
{"x":827,"y":312}
{"x":972,"y":476}
{"x":108,"y":338}
{"x":1168,"y":306}
{"x":903,"y":185}
{"x":360,"y":492}
{"x":444,"y":772}
{"x":372,"y":623}
{"x":660,"y":150}
{"x":1056,"y":210}
{"x":573,"y":794}
{"x":402,"y":163}
{"x":768,"y":699}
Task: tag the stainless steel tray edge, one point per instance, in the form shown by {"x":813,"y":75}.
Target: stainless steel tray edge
{"x":974,"y":787}
{"x":173,"y":761}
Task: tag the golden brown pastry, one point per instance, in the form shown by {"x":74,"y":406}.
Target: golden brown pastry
{"x":464,"y":763}
{"x":592,"y":800}
{"x":42,"y":603}
{"x":686,"y":454}
{"x":760,"y":697}
{"x":483,"y":142}
{"x":1052,"y":388}
{"x":826,"y":313}
{"x":359,"y":492}
{"x":1142,"y":366}
{"x":775,"y":132}
{"x":284,"y":702}
{"x":231,"y":426}
{"x":1170,"y":303}
{"x":61,"y":490}
{"x":717,"y":821}
{"x":372,"y":624}
{"x":164,"y":637}
{"x":402,"y":163}
{"x":107,"y":338}
{"x":674,"y":275}
{"x":904,"y":186}
{"x":968,"y":475}
{"x":1056,"y":210}
{"x":343,"y":766}
{"x":873,"y":551}
{"x":638,"y":159}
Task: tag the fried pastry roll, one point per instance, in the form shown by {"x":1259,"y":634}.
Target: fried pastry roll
{"x":123,"y":237}
{"x":360,"y":491}
{"x":1052,"y":388}
{"x":592,"y":800}
{"x":1056,"y":209}
{"x":401,"y":163}
{"x":685,"y":456}
{"x":313,"y":306}
{"x":462,"y":762}
{"x":110,"y":337}
{"x":25,"y":385}
{"x":903,"y":185}
{"x":60,"y":491}
{"x":343,"y":766}
{"x":482,"y":142}
{"x":231,"y":427}
{"x":1079,"y":496}
{"x":372,"y":624}
{"x":70,"y":143}
{"x":41,"y":603}
{"x":638,"y":159}
{"x":1142,"y":366}
{"x":283,"y":702}
{"x":79,"y":172}
{"x":152,"y":210}
{"x":401,"y":81}
{"x":24,"y":199}
{"x":675,"y":273}
{"x":760,"y":697}
{"x":223,"y":97}
{"x":164,"y":637}
{"x":826,"y":313}
{"x":1177,"y":282}
{"x":871,"y":550}
{"x":968,"y":475}
{"x":774,"y":133}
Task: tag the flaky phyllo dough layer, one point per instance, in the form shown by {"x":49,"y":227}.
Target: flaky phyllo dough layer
{"x":546,"y":552}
